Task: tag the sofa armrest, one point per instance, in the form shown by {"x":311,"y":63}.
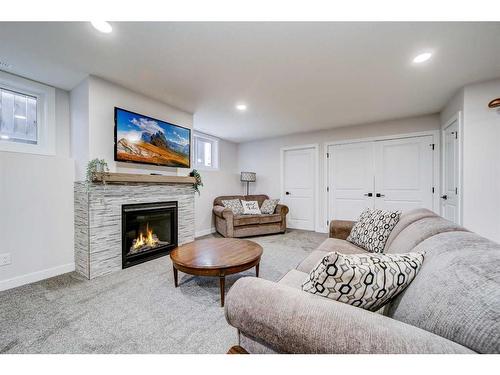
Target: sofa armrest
{"x":341,"y":228}
{"x":292,"y":321}
{"x":223,"y":212}
{"x":281,"y":209}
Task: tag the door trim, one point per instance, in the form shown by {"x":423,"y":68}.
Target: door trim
{"x":436,"y":136}
{"x":458,"y":118}
{"x":315,"y":147}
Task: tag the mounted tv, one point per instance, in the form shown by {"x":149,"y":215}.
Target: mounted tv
{"x":143,"y":139}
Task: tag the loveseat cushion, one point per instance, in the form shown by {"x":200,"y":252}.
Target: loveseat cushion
{"x":272,"y":218}
{"x":455,"y":294}
{"x":240,"y":220}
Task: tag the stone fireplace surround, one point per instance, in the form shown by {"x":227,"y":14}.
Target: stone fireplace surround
{"x":98,"y":214}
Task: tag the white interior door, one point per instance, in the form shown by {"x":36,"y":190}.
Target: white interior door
{"x":350,"y":185}
{"x":404,"y":173}
{"x":450,"y":192}
{"x":299,"y":168}
{"x":396,"y":174}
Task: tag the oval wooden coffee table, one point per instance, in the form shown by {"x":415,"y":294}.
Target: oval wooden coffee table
{"x":216,"y":257}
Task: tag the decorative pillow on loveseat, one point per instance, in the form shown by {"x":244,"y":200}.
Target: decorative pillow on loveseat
{"x":250,"y":207}
{"x":373,"y":228}
{"x":268,"y":206}
{"x":234,"y":205}
{"x":365,"y":280}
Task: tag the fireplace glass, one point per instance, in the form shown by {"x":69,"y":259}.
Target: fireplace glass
{"x":148,"y":231}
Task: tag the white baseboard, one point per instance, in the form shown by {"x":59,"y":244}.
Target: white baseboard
{"x":204,"y":232}
{"x":36,"y":276}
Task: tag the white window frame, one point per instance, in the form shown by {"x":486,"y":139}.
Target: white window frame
{"x":46,"y":129}
{"x":215,"y":151}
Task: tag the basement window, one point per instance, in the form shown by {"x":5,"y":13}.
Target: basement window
{"x":206,"y":151}
{"x":27,"y":113}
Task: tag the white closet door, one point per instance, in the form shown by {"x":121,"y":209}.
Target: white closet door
{"x":404,"y":173}
{"x":350,"y":174}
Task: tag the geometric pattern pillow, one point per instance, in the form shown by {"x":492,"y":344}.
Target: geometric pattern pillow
{"x":373,"y":228}
{"x":234,"y":205}
{"x":366,"y":280}
{"x":268,"y":206}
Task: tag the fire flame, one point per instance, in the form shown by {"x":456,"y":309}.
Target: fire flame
{"x":145,"y":240}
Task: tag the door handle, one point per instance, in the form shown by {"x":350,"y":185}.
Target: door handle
{"x":445,"y":197}
{"x":287,"y":193}
{"x":368,"y":195}
{"x":378,"y":195}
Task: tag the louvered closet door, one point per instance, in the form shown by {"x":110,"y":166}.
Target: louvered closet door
{"x":350,"y":174}
{"x":404,"y":173}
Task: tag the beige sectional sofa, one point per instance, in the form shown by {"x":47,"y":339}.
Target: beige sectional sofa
{"x":452,"y":306}
{"x":230,"y":225}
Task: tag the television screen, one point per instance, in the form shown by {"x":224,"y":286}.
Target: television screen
{"x":142,"y":139}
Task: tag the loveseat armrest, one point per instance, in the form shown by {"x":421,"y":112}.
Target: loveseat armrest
{"x":223,"y":212}
{"x":281,"y":209}
{"x":341,"y":228}
{"x":292,"y":321}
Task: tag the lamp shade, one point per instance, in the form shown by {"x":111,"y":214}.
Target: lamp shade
{"x":248,"y":177}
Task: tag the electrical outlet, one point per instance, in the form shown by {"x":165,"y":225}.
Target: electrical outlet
{"x":5,"y":259}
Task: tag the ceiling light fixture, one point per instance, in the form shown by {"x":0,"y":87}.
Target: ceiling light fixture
{"x":422,"y":57}
{"x":3,"y":136}
{"x":241,"y":107}
{"x":102,"y":26}
{"x":20,"y":117}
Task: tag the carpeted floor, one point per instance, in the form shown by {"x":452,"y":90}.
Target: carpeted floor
{"x":136,"y":310}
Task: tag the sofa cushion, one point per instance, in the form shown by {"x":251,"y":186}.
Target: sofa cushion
{"x":273,"y":218}
{"x":257,"y":197}
{"x":373,"y":228}
{"x":246,"y":220}
{"x":294,"y":279}
{"x":456,"y":293}
{"x":250,"y":207}
{"x":342,"y":246}
{"x":365,"y":280}
{"x":218,"y":200}
{"x":407,"y":218}
{"x":419,"y":231}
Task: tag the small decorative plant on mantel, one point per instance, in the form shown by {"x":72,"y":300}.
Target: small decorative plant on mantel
{"x":95,"y":166}
{"x":194,"y":173}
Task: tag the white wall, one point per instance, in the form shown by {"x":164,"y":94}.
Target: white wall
{"x":225,"y":181}
{"x":36,"y":220}
{"x":481,"y":147}
{"x":263,"y":157}
{"x":93,"y":132}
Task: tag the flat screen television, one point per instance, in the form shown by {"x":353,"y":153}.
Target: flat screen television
{"x":143,"y":139}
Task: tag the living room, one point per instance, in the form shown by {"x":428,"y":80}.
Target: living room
{"x":243,"y":187}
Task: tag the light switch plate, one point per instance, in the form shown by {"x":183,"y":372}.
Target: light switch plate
{"x":5,"y":259}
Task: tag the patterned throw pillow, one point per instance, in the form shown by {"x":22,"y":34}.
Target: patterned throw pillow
{"x":373,"y":228}
{"x":250,"y":207}
{"x":234,"y":205}
{"x":268,"y":206}
{"x":365,"y":280}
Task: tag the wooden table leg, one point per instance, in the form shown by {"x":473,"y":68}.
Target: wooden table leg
{"x":257,"y":270}
{"x":175,"y":277}
{"x":222,"y":279}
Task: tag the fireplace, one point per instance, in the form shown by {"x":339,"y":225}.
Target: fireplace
{"x":149,"y":231}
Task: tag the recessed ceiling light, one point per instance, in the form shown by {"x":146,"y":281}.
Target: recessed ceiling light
{"x":3,"y":136}
{"x":102,"y":26}
{"x":20,"y":117}
{"x":422,"y":57}
{"x":241,"y":107}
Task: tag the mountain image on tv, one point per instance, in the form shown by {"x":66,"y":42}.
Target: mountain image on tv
{"x":142,"y":139}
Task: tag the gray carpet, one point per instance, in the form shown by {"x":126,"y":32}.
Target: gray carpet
{"x":136,"y":310}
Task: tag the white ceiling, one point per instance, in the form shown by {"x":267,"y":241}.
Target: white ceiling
{"x":294,"y":77}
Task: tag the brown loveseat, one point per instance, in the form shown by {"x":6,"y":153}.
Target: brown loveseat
{"x":230,"y":225}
